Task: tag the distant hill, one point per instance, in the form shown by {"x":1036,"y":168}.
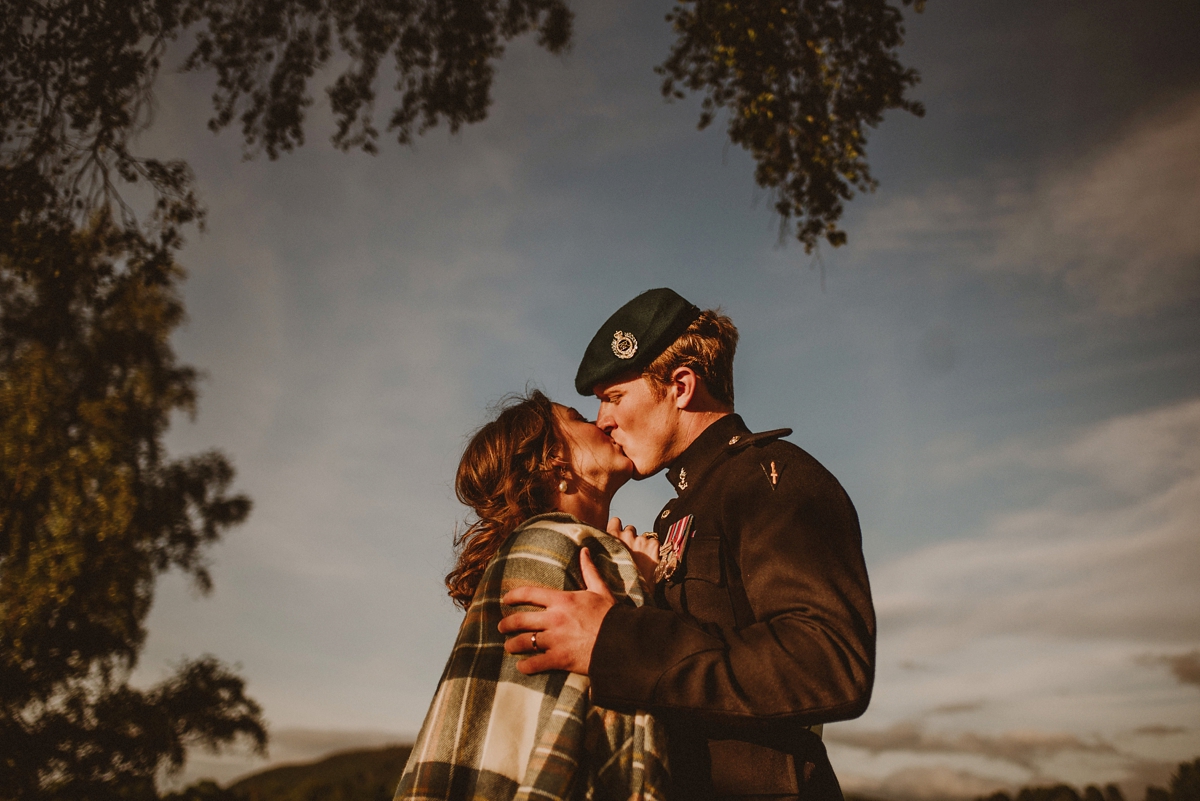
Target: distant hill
{"x":360,"y":775}
{"x":366,"y":775}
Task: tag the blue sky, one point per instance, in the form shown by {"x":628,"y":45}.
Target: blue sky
{"x":1002,"y":368}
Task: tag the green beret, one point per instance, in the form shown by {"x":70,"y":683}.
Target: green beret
{"x":634,"y":336}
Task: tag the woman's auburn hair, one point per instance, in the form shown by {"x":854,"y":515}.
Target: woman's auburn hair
{"x":506,"y":475}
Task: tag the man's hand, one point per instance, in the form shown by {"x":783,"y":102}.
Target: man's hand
{"x":565,"y":630}
{"x":644,"y":550}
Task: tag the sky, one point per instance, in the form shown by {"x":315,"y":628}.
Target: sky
{"x":1002,"y":367}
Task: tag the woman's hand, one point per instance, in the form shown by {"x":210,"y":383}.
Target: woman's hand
{"x":643,"y":548}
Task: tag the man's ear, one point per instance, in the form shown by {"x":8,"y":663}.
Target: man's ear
{"x":686,"y":384}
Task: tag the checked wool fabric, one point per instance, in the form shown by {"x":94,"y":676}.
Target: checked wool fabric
{"x":494,"y":733}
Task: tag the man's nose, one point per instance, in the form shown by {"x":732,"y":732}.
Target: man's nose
{"x":604,"y":420}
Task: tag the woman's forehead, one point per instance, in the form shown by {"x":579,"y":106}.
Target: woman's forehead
{"x":565,"y":411}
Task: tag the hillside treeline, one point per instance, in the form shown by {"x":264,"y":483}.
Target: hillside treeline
{"x":367,"y":775}
{"x":372,"y":775}
{"x":1184,"y":786}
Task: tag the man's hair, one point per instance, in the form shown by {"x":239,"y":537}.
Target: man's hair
{"x":707,"y":346}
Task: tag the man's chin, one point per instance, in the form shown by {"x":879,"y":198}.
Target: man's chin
{"x":638,"y":475}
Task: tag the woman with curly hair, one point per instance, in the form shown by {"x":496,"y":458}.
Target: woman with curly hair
{"x":539,"y":479}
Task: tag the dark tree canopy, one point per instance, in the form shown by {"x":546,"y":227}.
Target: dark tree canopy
{"x":441,"y":53}
{"x":92,"y":511}
{"x":1184,"y":786}
{"x":801,"y":80}
{"x":76,"y":80}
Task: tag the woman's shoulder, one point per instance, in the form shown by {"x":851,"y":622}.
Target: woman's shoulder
{"x":558,"y":524}
{"x":555,"y":539}
{"x":564,"y":533}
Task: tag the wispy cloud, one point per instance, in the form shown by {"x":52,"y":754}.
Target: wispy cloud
{"x":1115,"y":556}
{"x":1025,"y":647}
{"x":1185,"y":667}
{"x":1159,"y":730}
{"x":957,"y":708}
{"x":1024,"y":749}
{"x":1119,"y":228}
{"x":925,"y":783}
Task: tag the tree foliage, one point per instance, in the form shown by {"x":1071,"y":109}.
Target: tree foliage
{"x":1184,"y":786}
{"x":92,"y":511}
{"x":442,"y":54}
{"x":801,"y":80}
{"x":76,"y":81}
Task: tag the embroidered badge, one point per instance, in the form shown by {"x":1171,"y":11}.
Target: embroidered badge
{"x":670,"y":553}
{"x":682,"y":479}
{"x":624,"y":345}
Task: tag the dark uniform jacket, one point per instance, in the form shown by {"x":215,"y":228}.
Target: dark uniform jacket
{"x":765,"y":629}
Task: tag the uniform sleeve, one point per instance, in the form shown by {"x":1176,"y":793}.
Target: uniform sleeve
{"x":808,"y":659}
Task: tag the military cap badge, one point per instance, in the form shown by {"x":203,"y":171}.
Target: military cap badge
{"x":633,"y":336}
{"x":624,"y":345}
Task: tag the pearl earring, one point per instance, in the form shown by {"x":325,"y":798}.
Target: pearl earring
{"x":562,"y":486}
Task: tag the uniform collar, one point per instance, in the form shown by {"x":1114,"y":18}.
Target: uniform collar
{"x":690,"y":465}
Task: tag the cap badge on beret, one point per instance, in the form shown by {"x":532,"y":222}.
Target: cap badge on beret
{"x":633,"y":337}
{"x":624,"y":345}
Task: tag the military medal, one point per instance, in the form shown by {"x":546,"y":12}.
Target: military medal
{"x":670,"y":554}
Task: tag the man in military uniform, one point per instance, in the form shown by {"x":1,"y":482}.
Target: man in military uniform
{"x":763,"y":628}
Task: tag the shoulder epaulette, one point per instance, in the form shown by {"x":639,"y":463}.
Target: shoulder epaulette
{"x":761,"y":438}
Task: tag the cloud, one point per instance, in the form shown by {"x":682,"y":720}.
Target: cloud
{"x":1159,"y":730}
{"x":1023,"y":649}
{"x":954,"y":709}
{"x":924,"y":783}
{"x":1123,"y":226}
{"x":1117,"y":228}
{"x":1024,"y":749}
{"x":1185,"y":667}
{"x":1113,"y":558}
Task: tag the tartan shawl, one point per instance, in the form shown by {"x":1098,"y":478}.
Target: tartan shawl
{"x":494,"y":733}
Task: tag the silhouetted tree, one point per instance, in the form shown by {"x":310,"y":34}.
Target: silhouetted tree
{"x":92,"y":511}
{"x":76,"y":81}
{"x":802,"y":80}
{"x":1058,"y":792}
{"x":1184,"y":786}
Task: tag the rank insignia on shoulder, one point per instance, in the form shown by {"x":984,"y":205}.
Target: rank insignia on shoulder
{"x":772,"y":474}
{"x":671,"y":552}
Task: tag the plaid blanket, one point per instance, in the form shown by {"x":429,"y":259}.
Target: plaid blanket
{"x":493,"y":733}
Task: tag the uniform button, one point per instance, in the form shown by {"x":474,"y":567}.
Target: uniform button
{"x":734,"y":440}
{"x":665,"y":513}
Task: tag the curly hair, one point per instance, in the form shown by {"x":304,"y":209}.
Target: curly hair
{"x":506,"y":475}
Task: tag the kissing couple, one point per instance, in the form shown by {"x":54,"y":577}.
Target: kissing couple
{"x":695,"y":661}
